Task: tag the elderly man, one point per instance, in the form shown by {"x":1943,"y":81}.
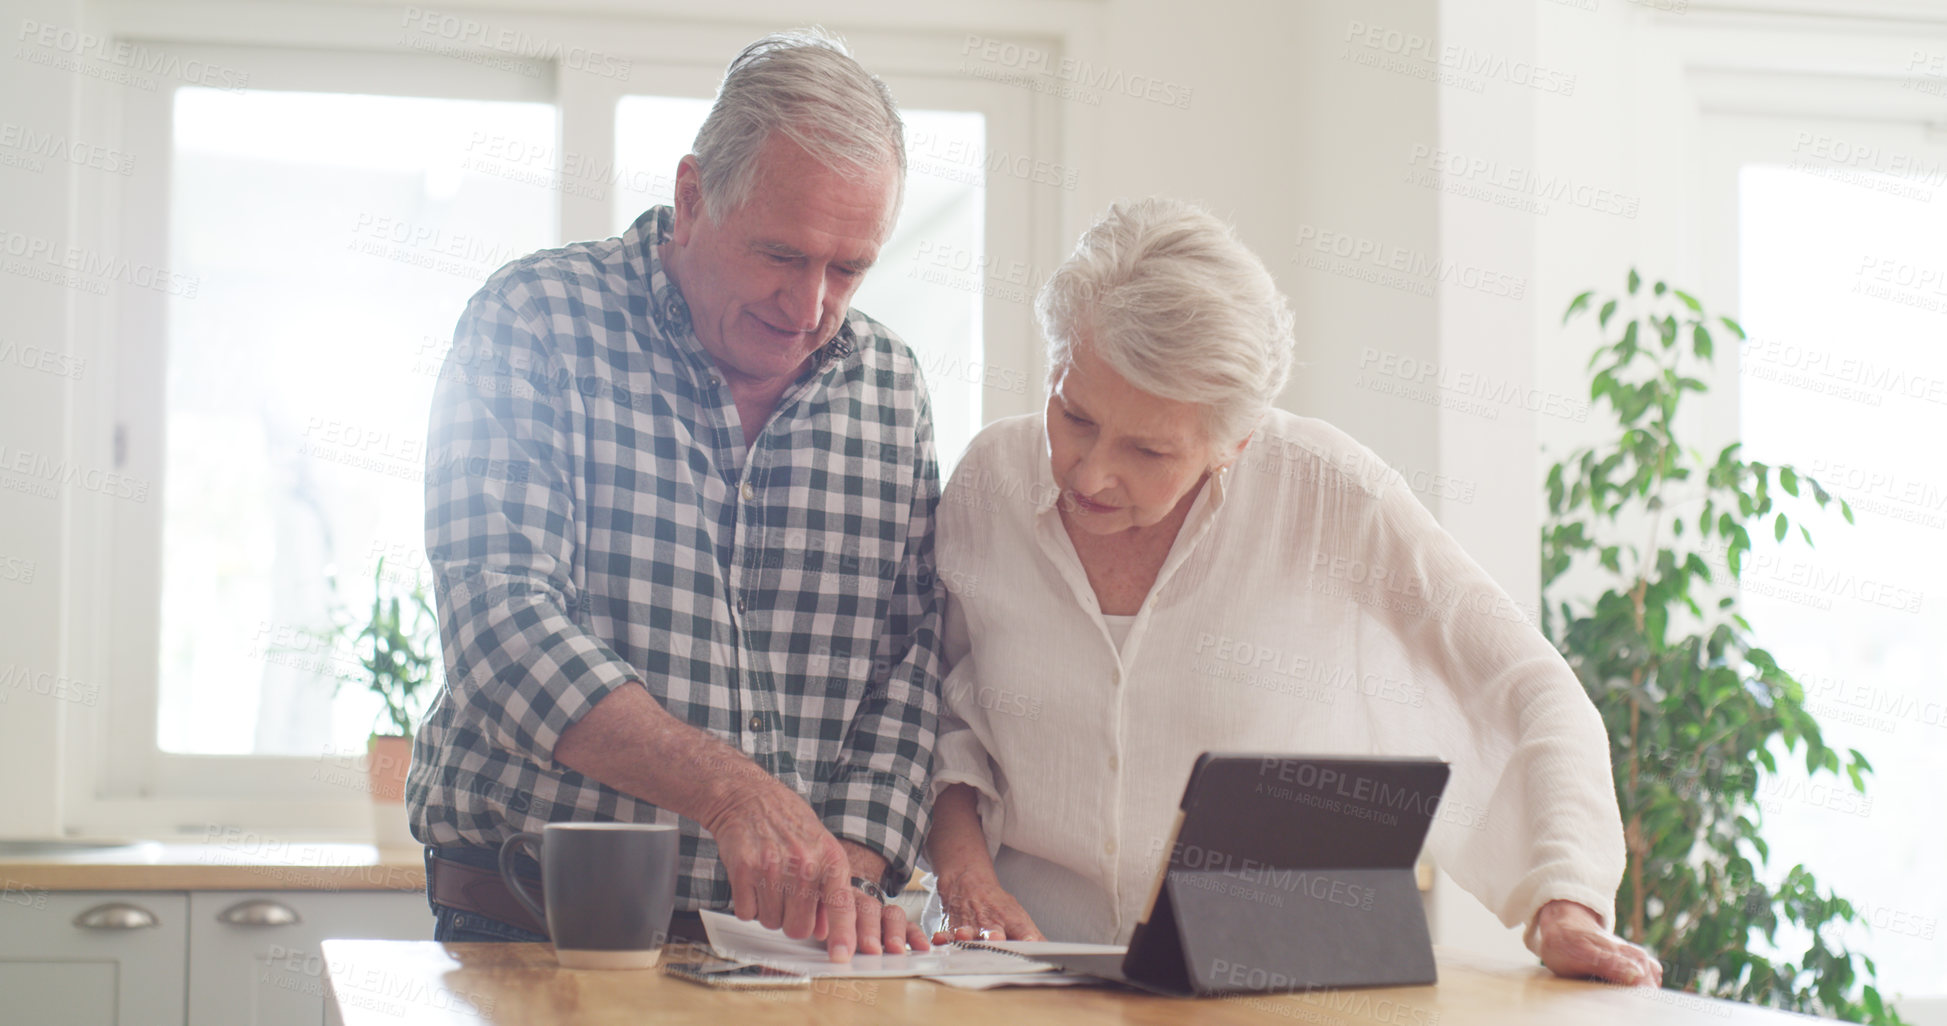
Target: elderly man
{"x":679,"y":502}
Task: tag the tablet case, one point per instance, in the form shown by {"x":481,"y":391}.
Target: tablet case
{"x":1288,"y":873}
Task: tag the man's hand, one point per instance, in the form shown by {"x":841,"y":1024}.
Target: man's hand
{"x":1571,"y":942}
{"x":881,"y":928}
{"x":786,"y":870}
{"x":978,"y":908}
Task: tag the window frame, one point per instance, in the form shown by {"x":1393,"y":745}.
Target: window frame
{"x":114,"y":780}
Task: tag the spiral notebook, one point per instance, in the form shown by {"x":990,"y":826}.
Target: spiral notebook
{"x":751,"y":942}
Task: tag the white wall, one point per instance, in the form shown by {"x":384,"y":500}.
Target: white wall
{"x":1485,"y":335}
{"x":1286,"y":138}
{"x":34,"y":410}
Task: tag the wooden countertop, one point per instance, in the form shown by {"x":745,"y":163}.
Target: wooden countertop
{"x":248,"y":864}
{"x":385,"y":983}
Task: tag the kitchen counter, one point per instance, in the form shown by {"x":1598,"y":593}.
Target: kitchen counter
{"x":245,"y":862}
{"x":425,"y":983}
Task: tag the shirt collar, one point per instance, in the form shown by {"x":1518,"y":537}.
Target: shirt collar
{"x":1056,"y":544}
{"x":667,"y":308}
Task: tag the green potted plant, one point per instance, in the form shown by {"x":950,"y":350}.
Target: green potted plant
{"x":397,"y":648}
{"x":1697,"y":713}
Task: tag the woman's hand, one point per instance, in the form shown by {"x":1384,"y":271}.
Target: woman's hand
{"x":978,"y":908}
{"x":1571,"y":942}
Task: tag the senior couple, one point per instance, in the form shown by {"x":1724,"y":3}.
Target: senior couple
{"x":689,"y":542}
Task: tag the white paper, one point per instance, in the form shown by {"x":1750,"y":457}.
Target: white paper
{"x":1057,"y":978}
{"x":740,"y":941}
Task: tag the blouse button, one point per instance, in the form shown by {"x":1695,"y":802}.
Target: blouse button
{"x":749,"y":493}
{"x":757,"y":722}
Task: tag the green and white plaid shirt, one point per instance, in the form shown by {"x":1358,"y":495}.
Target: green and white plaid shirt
{"x":592,"y":517}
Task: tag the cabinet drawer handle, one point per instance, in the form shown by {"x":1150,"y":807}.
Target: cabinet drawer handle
{"x":258,"y":912}
{"x":116,"y":915}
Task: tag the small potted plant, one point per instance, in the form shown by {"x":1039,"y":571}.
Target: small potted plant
{"x":397,"y":649}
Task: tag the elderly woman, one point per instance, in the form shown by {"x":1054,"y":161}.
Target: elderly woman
{"x":1161,"y":563}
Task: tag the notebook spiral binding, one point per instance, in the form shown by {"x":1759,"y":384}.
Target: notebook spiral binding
{"x":985,"y":946}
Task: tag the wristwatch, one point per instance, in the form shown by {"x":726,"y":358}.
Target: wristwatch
{"x":872,"y":890}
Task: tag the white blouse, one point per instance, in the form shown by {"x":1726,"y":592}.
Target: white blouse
{"x":1310,"y":604}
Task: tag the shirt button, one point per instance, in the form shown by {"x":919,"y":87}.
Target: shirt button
{"x":741,"y":605}
{"x":1114,"y":763}
{"x":757,"y":723}
{"x":1115,"y":676}
{"x":749,"y":493}
{"x":1108,"y":847}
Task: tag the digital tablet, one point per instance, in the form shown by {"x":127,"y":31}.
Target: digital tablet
{"x":1287,"y":872}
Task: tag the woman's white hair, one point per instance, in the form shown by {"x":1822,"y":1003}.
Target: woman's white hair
{"x":806,"y":87}
{"x":1169,"y":298}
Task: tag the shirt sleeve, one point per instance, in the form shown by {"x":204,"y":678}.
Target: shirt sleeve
{"x":500,"y":536}
{"x":1530,"y":815}
{"x":878,"y":794}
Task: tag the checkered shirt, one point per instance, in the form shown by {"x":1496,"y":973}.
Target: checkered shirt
{"x":592,"y":518}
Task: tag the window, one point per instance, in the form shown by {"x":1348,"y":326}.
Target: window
{"x":336,"y":238}
{"x":1844,"y":375}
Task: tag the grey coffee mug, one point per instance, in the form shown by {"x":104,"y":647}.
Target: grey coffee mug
{"x":608,"y":890}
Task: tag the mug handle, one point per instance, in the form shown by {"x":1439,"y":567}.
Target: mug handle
{"x":512,"y":881}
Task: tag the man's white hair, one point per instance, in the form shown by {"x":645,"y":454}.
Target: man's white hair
{"x":804,"y":86}
{"x":1171,"y":300}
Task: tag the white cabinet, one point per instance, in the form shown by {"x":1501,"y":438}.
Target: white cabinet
{"x":254,"y":957}
{"x":92,"y":958}
{"x":204,"y":958}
